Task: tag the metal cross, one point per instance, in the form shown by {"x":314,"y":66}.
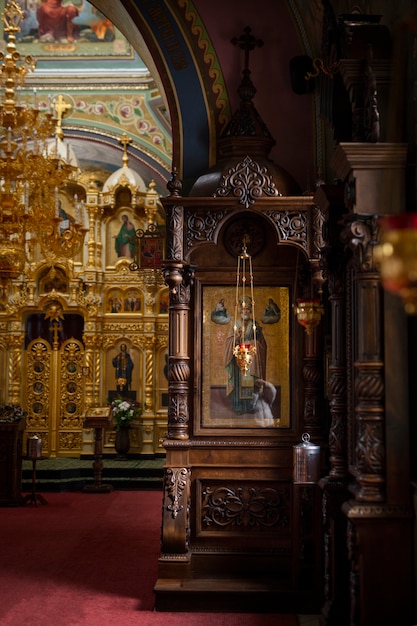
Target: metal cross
{"x":247,"y":42}
{"x":62,"y":108}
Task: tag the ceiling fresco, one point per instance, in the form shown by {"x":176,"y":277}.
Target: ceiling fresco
{"x":107,"y":85}
{"x":72,"y":32}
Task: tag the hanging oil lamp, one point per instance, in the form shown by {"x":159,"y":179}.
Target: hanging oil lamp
{"x":309,"y":312}
{"x":244,"y":350}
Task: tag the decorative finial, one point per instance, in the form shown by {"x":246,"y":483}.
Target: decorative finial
{"x":174,"y":185}
{"x":125,"y":140}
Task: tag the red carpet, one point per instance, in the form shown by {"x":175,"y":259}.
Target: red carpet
{"x":91,"y":559}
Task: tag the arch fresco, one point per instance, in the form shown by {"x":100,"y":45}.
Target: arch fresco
{"x":185,"y":85}
{"x":192,"y":83}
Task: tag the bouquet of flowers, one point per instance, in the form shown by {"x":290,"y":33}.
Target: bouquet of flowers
{"x":124,"y":411}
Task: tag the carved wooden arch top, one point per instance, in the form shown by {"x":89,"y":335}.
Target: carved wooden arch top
{"x":299,"y":226}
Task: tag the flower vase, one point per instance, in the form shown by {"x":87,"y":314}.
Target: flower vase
{"x":122,"y":442}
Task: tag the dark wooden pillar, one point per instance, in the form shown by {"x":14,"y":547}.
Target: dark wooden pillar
{"x":335,"y":611}
{"x":313,"y":384}
{"x":378,"y":514}
{"x":179,"y":278}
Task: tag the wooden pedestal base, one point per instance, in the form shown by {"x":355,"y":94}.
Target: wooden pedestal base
{"x":99,"y":419}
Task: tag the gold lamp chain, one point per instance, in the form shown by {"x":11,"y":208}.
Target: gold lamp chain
{"x":253,"y":301}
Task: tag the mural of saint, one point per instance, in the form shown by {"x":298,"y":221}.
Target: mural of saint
{"x":55,"y":21}
{"x":124,"y":240}
{"x":272,"y":313}
{"x":220,"y":315}
{"x":123,"y":365}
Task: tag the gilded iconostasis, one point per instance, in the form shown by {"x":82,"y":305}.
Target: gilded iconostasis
{"x":95,"y":284}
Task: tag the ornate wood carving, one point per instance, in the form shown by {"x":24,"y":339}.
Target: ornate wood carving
{"x":335,"y":610}
{"x":248,"y":181}
{"x":313,"y":386}
{"x":202,"y":225}
{"x":360,"y":237}
{"x":355,"y":569}
{"x":179,"y":279}
{"x":337,"y":383}
{"x":244,"y":507}
{"x":292,"y":226}
{"x":175,"y":220}
{"x":371,"y":113}
{"x":176,"y":527}
{"x":257,"y":500}
{"x":176,"y":482}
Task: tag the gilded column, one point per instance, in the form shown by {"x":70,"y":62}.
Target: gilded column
{"x":15,"y":344}
{"x":149,"y":374}
{"x":89,"y":364}
{"x":91,"y":235}
{"x":93,"y":227}
{"x":99,"y":243}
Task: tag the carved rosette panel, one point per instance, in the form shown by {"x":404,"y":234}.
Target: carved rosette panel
{"x":292,"y":226}
{"x":244,"y":507}
{"x":247,"y":181}
{"x":201,"y":226}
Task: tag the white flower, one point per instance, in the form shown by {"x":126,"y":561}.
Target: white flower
{"x":124,"y":411}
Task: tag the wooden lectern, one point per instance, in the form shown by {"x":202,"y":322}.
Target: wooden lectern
{"x":98,"y":418}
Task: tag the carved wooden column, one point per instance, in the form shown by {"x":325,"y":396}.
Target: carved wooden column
{"x":360,"y":236}
{"x":379,"y":516}
{"x":177,"y":479}
{"x":179,"y":359}
{"x":313,"y":385}
{"x":335,"y":610}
